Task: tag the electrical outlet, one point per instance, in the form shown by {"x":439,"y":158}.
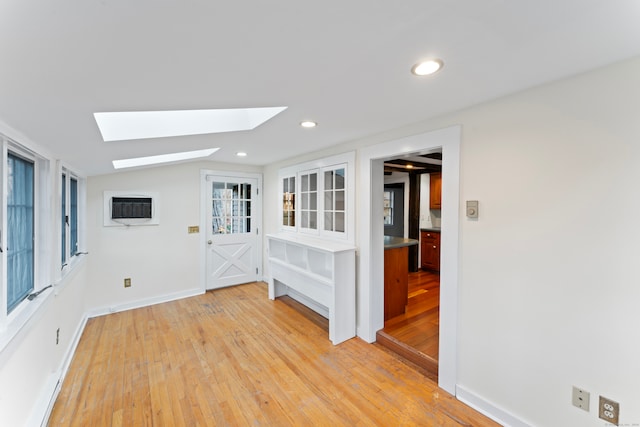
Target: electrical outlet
{"x":580,"y":398}
{"x":609,"y":410}
{"x":127,"y":282}
{"x":57,"y":336}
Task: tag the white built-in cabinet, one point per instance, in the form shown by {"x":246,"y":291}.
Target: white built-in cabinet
{"x":322,"y":272}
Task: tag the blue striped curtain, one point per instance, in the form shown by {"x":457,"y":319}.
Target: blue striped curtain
{"x":20,"y":236}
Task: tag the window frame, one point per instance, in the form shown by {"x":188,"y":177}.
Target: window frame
{"x":41,"y":232}
{"x":67,"y":255}
{"x":344,"y":161}
{"x":288,"y":202}
{"x":23,"y":157}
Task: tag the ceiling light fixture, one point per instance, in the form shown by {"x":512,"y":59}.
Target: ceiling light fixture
{"x":428,"y":67}
{"x":120,"y":126}
{"x":241,"y":154}
{"x":163,"y":158}
{"x":308,"y":124}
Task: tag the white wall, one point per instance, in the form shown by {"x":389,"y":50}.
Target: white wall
{"x":163,"y":261}
{"x":548,"y":287}
{"x":32,"y":363}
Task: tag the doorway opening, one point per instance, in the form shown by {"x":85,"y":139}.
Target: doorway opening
{"x":370,"y":240}
{"x":413,"y":330}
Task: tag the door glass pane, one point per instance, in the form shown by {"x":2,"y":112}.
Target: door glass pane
{"x":20,"y":229}
{"x":231,"y":208}
{"x":339,"y":222}
{"x":218,"y":190}
{"x":328,"y":180}
{"x":313,"y":201}
{"x":288,"y":201}
{"x":313,"y":220}
{"x":328,"y":200}
{"x":339,"y":182}
{"x":340,"y":200}
{"x":328,"y":221}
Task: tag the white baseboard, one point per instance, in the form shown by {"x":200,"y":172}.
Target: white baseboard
{"x":44,"y":402}
{"x":144,"y":302}
{"x":318,"y":308}
{"x":487,"y":408}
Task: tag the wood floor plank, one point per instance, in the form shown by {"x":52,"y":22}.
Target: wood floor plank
{"x":232,"y":357}
{"x":419,"y":327}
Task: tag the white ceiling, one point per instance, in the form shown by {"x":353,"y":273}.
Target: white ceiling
{"x":344,"y":64}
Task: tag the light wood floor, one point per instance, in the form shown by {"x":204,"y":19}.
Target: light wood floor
{"x":232,"y":357}
{"x":415,"y":334}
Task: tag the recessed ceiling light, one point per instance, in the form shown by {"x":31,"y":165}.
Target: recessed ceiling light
{"x":163,"y":158}
{"x":427,"y":67}
{"x":308,"y":124}
{"x":409,"y":166}
{"x":241,"y":154}
{"x":119,"y":126}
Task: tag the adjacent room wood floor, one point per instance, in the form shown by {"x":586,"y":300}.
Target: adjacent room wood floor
{"x":233,"y":357}
{"x":415,"y":334}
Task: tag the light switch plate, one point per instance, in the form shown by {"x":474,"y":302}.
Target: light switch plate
{"x":580,"y":398}
{"x":472,"y":209}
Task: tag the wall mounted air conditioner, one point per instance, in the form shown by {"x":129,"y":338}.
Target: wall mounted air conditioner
{"x":124,"y":208}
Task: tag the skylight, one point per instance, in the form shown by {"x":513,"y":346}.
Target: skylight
{"x":119,"y":126}
{"x":163,"y":158}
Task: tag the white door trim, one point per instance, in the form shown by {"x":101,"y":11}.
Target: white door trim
{"x":204,"y":223}
{"x":370,"y":230}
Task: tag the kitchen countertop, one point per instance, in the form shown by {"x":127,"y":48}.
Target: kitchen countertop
{"x":435,"y":229}
{"x":392,"y":242}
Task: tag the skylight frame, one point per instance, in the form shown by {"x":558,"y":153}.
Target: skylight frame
{"x":132,"y":125}
{"x":162,"y":158}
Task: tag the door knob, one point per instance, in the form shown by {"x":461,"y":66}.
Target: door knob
{"x":209,"y":242}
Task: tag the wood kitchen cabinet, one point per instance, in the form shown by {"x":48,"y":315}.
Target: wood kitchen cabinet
{"x":435,"y":191}
{"x":396,"y":281}
{"x":430,"y":250}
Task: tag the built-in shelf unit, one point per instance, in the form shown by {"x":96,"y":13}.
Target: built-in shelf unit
{"x":322,"y":272}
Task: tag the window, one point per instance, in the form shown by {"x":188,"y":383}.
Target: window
{"x":316,"y":197}
{"x":309,"y":200}
{"x":388,"y":208}
{"x":69,"y":216}
{"x":20,"y":229}
{"x":231,"y":208}
{"x":63,"y":217}
{"x":334,"y":200}
{"x":289,"y":201}
{"x":41,"y":229}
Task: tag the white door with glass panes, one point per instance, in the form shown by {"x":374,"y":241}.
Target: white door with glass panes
{"x":232,"y":230}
